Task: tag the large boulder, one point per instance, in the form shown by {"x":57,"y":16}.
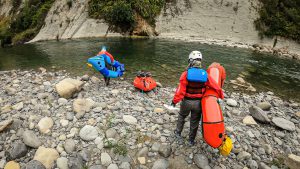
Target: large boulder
{"x":34,"y":165}
{"x":67,"y":87}
{"x":284,"y":124}
{"x":46,"y":156}
{"x":258,"y":114}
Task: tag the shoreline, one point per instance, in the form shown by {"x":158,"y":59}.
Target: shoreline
{"x":277,"y":52}
{"x":282,"y":52}
{"x":119,"y":127}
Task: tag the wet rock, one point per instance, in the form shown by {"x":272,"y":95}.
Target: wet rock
{"x":4,"y":124}
{"x":293,"y":161}
{"x":248,"y":120}
{"x":12,"y":165}
{"x":81,"y":106}
{"x":160,"y":164}
{"x":264,"y":106}
{"x":258,"y":114}
{"x":165,"y":150}
{"x":34,"y":165}
{"x":105,"y":159}
{"x":45,"y":124}
{"x":284,"y":124}
{"x":42,"y":70}
{"x":67,"y":87}
{"x":69,"y":146}
{"x":62,"y":163}
{"x":201,"y":161}
{"x":88,"y":133}
{"x":17,"y":150}
{"x":30,"y":139}
{"x":46,"y":156}
{"x":129,"y":119}
{"x":231,"y":102}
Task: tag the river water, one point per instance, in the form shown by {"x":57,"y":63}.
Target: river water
{"x":165,"y":59}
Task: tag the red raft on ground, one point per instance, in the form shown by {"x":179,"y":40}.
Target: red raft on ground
{"x":213,"y":127}
{"x":144,"y":82}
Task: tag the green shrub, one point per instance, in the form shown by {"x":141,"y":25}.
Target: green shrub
{"x":279,"y":18}
{"x":23,"y":36}
{"x":28,"y":21}
{"x":5,"y":33}
{"x":121,"y":13}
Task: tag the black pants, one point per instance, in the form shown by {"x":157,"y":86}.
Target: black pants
{"x":187,"y":106}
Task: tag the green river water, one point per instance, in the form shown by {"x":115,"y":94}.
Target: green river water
{"x":165,"y":59}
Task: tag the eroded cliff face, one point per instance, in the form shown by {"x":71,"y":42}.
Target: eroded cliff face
{"x":66,"y":22}
{"x":224,"y":22}
{"x":217,"y":21}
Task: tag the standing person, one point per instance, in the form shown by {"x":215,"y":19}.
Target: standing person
{"x":193,"y":83}
{"x":105,"y":63}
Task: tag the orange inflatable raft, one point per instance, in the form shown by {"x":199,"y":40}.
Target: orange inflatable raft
{"x":144,"y":82}
{"x":213,"y":127}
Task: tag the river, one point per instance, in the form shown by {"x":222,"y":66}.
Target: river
{"x":165,"y":59}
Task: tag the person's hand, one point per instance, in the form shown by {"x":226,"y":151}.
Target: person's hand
{"x":173,"y":104}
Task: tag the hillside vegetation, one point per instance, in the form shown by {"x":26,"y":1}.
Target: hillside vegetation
{"x":23,"y":26}
{"x":121,"y":14}
{"x":279,"y":18}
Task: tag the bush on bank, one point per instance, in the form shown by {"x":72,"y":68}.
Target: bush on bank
{"x":279,"y":18}
{"x":24,"y":25}
{"x":121,"y":13}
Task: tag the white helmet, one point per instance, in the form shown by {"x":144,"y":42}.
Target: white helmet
{"x":195,"y":55}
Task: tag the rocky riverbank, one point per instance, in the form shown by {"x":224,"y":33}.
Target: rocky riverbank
{"x":48,"y":120}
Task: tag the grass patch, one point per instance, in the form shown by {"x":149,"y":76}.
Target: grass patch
{"x":279,"y":18}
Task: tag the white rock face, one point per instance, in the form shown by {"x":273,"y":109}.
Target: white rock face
{"x":230,"y":22}
{"x":71,"y":23}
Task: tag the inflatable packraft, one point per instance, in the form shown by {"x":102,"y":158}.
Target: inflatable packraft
{"x":213,"y":127}
{"x":144,"y":82}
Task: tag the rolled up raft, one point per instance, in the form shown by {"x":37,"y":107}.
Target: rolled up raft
{"x":213,"y":127}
